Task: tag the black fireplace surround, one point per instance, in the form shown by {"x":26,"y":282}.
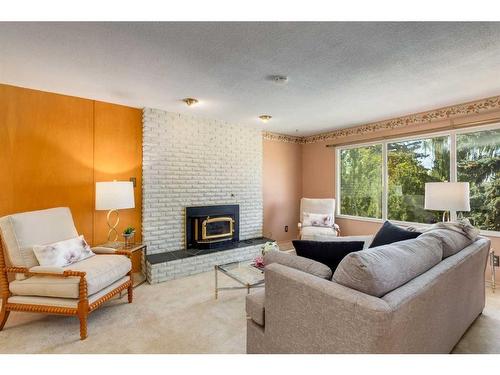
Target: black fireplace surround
{"x":210,"y":227}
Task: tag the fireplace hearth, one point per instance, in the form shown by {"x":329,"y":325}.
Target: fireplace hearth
{"x":209,"y":227}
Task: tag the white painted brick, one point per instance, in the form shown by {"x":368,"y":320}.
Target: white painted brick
{"x":189,"y":161}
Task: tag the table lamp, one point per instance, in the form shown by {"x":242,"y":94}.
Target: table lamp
{"x":447,"y":196}
{"x":114,"y":196}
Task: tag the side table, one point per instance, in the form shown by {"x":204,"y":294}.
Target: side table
{"x":138,"y":251}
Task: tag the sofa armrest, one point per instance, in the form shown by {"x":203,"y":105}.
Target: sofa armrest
{"x":100,"y":250}
{"x":336,"y":228}
{"x":307,"y":314}
{"x":103,"y":250}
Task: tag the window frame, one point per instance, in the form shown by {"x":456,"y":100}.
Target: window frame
{"x":385,"y":175}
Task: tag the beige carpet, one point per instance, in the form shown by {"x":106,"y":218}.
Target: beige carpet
{"x":179,"y":316}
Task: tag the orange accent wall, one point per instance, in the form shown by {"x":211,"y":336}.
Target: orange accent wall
{"x":54,"y":147}
{"x":118,"y":156}
{"x":282,"y":188}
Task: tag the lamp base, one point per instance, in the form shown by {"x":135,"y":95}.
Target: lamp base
{"x":112,"y":226}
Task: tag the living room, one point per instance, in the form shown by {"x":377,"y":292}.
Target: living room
{"x":249,"y":187}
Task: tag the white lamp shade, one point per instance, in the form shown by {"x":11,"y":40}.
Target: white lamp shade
{"x":114,"y":195}
{"x":447,"y":196}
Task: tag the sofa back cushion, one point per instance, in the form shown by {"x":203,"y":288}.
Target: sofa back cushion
{"x":452,"y":241}
{"x":20,"y":232}
{"x":390,"y":233}
{"x":328,"y":253}
{"x":377,"y":271}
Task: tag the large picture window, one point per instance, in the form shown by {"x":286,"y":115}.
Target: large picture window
{"x":361,"y":181}
{"x":410,"y":164}
{"x":387,"y":180}
{"x":478,"y":162}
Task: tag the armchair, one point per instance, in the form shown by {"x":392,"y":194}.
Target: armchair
{"x":76,"y":290}
{"x":317,"y":206}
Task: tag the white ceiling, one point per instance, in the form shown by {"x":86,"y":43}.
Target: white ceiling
{"x":340,"y":74}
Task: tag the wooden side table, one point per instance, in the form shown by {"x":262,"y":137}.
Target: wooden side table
{"x":138,"y":251}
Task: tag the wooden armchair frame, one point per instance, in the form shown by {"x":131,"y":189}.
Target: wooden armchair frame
{"x":83,"y":309}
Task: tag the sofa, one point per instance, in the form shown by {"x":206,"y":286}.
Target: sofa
{"x":304,"y":310}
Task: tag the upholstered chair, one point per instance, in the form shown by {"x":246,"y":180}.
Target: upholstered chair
{"x":77,"y":289}
{"x":317,"y":206}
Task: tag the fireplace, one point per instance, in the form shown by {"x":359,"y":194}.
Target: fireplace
{"x":209,"y":227}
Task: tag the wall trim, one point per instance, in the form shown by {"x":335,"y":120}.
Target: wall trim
{"x":269,"y":136}
{"x":439,"y":114}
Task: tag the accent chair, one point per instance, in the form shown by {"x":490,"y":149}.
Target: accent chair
{"x":317,"y":206}
{"x":76,"y":290}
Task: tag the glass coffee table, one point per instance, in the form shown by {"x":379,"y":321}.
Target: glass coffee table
{"x":242,"y":272}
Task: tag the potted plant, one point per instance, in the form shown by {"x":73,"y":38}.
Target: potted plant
{"x":128,"y":234}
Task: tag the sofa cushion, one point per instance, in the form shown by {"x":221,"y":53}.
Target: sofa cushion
{"x":20,"y":232}
{"x":255,"y":306}
{"x":299,"y":263}
{"x":102,"y":271}
{"x":452,"y":241}
{"x":390,"y":233}
{"x":377,"y":271}
{"x":328,"y":253}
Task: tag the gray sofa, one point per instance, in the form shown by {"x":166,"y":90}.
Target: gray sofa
{"x":302,"y":311}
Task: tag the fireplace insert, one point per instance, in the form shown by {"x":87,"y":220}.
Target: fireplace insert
{"x":210,"y":227}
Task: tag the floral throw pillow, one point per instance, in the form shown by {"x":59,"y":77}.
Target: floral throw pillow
{"x":317,"y":220}
{"x":63,"y":253}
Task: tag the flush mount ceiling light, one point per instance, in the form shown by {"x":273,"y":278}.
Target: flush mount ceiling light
{"x":190,"y":101}
{"x":278,"y":79}
{"x":265,"y":118}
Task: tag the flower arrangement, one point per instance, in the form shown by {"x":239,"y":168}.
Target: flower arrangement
{"x":270,"y":246}
{"x":259,"y":262}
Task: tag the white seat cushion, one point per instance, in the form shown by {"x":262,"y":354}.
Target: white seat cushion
{"x":102,"y":271}
{"x":65,"y":302}
{"x":308,"y":233}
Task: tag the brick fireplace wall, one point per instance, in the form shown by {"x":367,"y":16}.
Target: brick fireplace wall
{"x":191,"y":161}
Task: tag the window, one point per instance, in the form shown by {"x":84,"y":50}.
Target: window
{"x":387,"y":180}
{"x":478,"y":162}
{"x":410,"y":164}
{"x":361,"y":181}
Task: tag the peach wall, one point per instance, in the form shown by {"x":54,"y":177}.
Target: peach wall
{"x":318,"y":161}
{"x":282,"y":188}
{"x":318,"y":170}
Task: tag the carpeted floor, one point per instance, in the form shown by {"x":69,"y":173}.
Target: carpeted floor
{"x":179,"y":316}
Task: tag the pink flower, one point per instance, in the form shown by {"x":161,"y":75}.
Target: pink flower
{"x":259,"y":261}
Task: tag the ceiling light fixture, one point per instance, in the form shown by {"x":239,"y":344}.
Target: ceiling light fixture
{"x":190,"y":101}
{"x":265,"y":118}
{"x":279,"y":79}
